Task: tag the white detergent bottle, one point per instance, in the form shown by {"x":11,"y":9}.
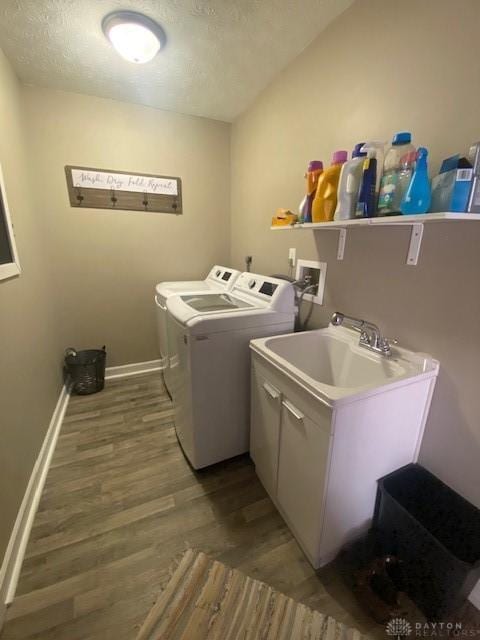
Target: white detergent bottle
{"x":349,"y":184}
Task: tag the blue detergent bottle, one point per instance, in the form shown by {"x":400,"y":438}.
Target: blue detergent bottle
{"x":418,"y":196}
{"x":367,"y":198}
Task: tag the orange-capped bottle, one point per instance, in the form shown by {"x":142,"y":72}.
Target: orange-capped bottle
{"x":325,"y":201}
{"x":315,"y":168}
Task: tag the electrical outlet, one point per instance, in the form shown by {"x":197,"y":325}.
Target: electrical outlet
{"x":316,"y":272}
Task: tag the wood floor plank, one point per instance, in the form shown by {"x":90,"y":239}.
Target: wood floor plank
{"x":120,"y":519}
{"x":79,"y":583}
{"x":42,"y":620}
{"x":121,"y":503}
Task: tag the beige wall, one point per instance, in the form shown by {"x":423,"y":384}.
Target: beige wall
{"x":88,"y":275}
{"x":107,"y":263}
{"x":381,"y":67}
{"x":361,"y":79}
{"x":30,"y":351}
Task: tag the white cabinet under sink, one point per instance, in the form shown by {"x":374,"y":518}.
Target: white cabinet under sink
{"x":264,"y":439}
{"x":319,"y":461}
{"x":302,"y":464}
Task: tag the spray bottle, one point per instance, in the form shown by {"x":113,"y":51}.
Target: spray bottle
{"x":315,"y":168}
{"x":418,"y":196}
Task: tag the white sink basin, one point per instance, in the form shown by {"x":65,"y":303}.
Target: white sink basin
{"x":329,"y":418}
{"x":332,"y":364}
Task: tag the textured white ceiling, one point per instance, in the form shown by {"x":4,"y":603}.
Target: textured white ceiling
{"x":219,"y":55}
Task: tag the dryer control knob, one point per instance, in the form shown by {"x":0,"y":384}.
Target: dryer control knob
{"x":251,"y":283}
{"x":218,"y":273}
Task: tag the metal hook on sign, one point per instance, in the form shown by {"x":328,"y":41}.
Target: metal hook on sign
{"x":145,"y":200}
{"x":113,"y":197}
{"x":80,"y":197}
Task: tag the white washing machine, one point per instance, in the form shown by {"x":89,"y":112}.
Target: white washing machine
{"x":209,"y":337}
{"x":219,"y":279}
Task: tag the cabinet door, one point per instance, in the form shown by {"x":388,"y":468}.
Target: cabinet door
{"x":265,"y":430}
{"x":302,"y":474}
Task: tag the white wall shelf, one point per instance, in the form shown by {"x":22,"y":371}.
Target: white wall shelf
{"x":416,"y":222}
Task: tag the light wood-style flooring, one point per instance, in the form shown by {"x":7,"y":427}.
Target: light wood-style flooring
{"x":121,"y":504}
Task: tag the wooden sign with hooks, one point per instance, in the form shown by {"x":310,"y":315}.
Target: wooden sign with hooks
{"x":103,"y":189}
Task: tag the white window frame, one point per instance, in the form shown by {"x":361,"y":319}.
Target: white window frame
{"x":9,"y":269}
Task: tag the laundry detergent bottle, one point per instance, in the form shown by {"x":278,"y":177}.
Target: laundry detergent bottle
{"x":314,"y":170}
{"x":325,"y":201}
{"x":379,"y":148}
{"x":418,"y":197}
{"x":349,"y":184}
{"x":367,"y":198}
{"x":397,"y":172}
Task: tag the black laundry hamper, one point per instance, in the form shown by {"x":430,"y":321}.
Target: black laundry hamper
{"x":86,"y":370}
{"x":435,"y":532}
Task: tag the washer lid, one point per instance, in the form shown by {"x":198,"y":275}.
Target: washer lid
{"x":214,"y":302}
{"x":219,"y":279}
{"x":166,"y":289}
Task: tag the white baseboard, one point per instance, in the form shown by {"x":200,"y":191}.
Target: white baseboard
{"x":12,"y":561}
{"x":474,"y":597}
{"x":134,"y":369}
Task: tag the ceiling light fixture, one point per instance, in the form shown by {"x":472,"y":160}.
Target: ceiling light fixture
{"x":134,"y":36}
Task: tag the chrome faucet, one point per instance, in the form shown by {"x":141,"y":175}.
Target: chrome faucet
{"x":370,"y":336}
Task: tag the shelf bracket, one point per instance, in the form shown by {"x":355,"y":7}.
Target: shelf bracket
{"x":415,"y":243}
{"x":342,"y":237}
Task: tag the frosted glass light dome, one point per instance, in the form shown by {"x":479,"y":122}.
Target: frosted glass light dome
{"x":135,"y":37}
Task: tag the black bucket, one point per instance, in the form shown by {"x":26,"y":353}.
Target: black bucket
{"x":86,"y":370}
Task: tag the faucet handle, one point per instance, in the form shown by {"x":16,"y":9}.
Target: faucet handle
{"x":391,"y":341}
{"x":386,"y":344}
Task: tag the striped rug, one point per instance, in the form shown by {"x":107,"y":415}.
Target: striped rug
{"x":204,"y":599}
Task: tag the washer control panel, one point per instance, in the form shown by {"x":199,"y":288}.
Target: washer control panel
{"x":223,"y":275}
{"x":271,"y":291}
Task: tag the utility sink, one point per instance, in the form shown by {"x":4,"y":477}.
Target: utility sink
{"x":330,"y":363}
{"x":328,"y":419}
